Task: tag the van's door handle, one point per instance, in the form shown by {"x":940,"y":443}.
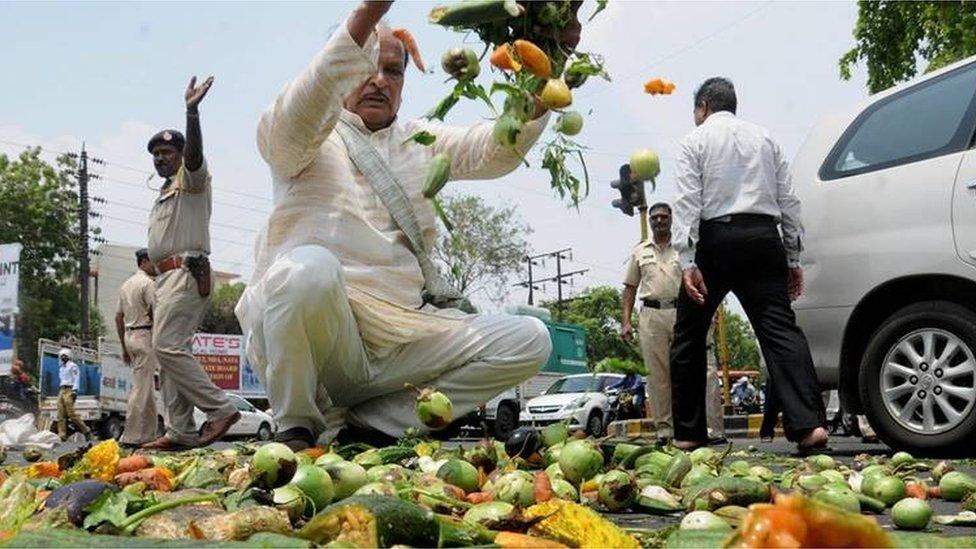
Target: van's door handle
{"x":972,"y":185}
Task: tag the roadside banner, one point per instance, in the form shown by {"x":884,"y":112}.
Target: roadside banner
{"x":9,"y":277}
{"x":220,"y":355}
{"x":7,"y":334}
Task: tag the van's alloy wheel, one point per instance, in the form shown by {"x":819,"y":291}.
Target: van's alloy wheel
{"x":917,"y":379}
{"x":927,"y":381}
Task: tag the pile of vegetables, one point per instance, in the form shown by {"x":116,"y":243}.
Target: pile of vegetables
{"x":532,"y":68}
{"x":543,"y":488}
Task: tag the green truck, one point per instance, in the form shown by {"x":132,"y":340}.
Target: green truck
{"x":568,"y":357}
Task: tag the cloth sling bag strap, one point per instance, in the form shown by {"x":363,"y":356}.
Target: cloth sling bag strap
{"x":377,"y":172}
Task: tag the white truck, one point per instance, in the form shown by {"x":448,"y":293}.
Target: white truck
{"x":102,"y":390}
{"x":105,"y":383}
{"x":501,"y":414}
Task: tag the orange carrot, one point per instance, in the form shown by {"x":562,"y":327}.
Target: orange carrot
{"x":410,"y":43}
{"x":156,"y":478}
{"x":514,"y":540}
{"x":478,"y":497}
{"x":453,"y":491}
{"x":135,"y":462}
{"x":916,"y":490}
{"x":543,"y":488}
{"x":504,"y":59}
{"x":315,"y":452}
{"x":44,"y":469}
{"x":533,"y":58}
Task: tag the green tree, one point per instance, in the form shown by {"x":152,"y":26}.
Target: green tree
{"x":485,"y":248}
{"x":598,"y":311}
{"x":220,"y":317}
{"x":893,"y":37}
{"x":743,"y":347}
{"x":40,"y":210}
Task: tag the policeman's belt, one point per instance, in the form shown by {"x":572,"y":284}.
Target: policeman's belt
{"x":659,"y":304}
{"x":169,"y":264}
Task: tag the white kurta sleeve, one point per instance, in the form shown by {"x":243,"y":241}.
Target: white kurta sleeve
{"x":307,"y":109}
{"x":473,"y":150}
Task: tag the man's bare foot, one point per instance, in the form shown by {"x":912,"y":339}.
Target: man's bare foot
{"x":687,"y":444}
{"x":816,"y":438}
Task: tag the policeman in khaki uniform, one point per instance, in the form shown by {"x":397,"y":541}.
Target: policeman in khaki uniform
{"x":134,"y":323}
{"x":179,"y":243}
{"x":654,"y":276}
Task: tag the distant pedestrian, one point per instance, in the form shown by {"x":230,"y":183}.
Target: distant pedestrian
{"x":734,"y":190}
{"x":179,"y":246}
{"x":69,"y":376}
{"x":134,"y":323}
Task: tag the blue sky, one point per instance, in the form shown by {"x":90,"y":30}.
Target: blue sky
{"x":113,"y":73}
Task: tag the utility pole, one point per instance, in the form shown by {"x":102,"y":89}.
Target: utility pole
{"x":83,"y":226}
{"x":560,"y":278}
{"x":84,"y":213}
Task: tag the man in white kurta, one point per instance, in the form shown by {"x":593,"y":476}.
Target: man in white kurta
{"x":334,"y":318}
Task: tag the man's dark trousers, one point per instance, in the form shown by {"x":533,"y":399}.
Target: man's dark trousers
{"x":743,"y":254}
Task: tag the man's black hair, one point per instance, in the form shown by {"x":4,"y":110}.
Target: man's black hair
{"x":663,"y":205}
{"x":718,"y":94}
{"x":141,"y":255}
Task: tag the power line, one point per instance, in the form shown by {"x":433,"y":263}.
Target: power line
{"x":643,"y":71}
{"x":145,"y":187}
{"x":144,"y":172}
{"x":215,"y":188}
{"x":560,"y":278}
{"x":214,"y":238}
{"x":213,"y":223}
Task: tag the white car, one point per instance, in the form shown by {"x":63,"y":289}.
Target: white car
{"x":889,"y":204}
{"x":253,"y":423}
{"x":580,"y":398}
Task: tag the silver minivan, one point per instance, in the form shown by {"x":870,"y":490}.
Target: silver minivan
{"x":889,"y":205}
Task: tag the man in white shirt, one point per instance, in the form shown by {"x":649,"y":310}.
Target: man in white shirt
{"x":335,"y":316}
{"x":68,"y":377}
{"x":734,"y":189}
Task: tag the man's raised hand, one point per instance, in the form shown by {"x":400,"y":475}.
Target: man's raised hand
{"x":195,"y":94}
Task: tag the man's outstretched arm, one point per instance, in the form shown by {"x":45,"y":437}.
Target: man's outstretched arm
{"x":306,"y":111}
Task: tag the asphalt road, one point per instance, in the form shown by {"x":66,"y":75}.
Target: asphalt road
{"x":842,"y":449}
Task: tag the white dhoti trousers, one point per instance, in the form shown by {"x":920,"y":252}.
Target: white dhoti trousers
{"x":304,"y":344}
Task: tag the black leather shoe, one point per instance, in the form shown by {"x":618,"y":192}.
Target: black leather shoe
{"x":296,"y":438}
{"x":717,"y":441}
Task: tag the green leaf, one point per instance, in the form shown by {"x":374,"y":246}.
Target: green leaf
{"x":422,"y":137}
{"x":443,"y":107}
{"x":439,"y":210}
{"x":109,"y":507}
{"x":600,"y":6}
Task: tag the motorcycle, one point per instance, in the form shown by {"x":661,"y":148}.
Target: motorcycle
{"x":17,"y":399}
{"x":623,"y":405}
